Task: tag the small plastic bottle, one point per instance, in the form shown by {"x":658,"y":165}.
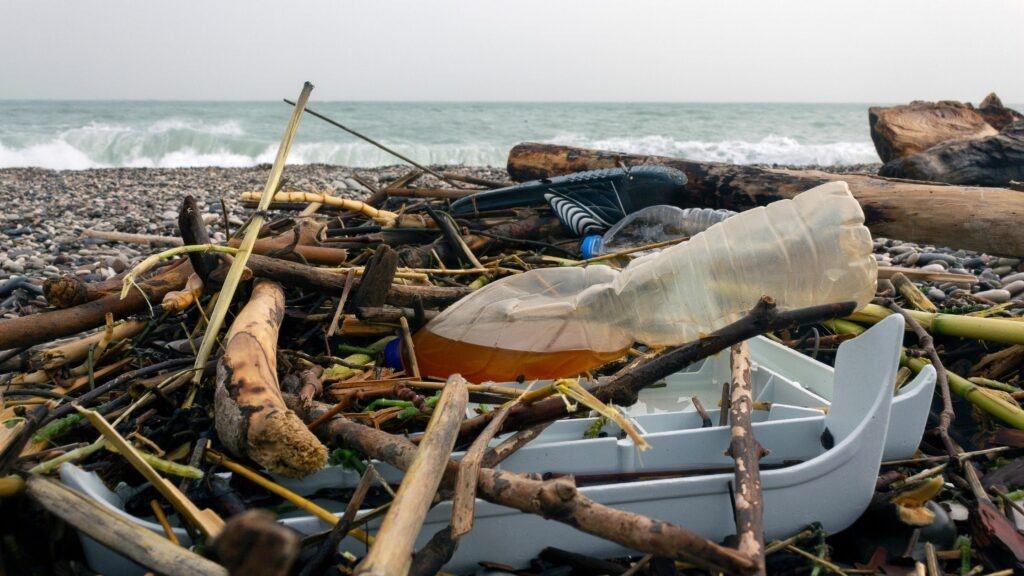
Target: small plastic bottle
{"x":559,"y":322}
{"x":650,"y":225}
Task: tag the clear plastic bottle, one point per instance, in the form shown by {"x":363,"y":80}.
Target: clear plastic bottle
{"x":556,"y":322}
{"x":650,"y":225}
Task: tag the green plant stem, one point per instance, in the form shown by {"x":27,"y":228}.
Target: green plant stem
{"x":979,"y":328}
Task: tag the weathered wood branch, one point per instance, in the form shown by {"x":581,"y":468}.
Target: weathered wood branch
{"x":251,"y":417}
{"x":391,"y":553}
{"x":982,"y":219}
{"x":124,"y":537}
{"x":44,"y":327}
{"x":746,"y":452}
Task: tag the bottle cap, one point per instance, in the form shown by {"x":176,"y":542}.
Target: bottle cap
{"x":393,"y":355}
{"x":590,"y":246}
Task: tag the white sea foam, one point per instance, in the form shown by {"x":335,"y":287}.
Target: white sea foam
{"x":769,"y":150}
{"x":181,"y":142}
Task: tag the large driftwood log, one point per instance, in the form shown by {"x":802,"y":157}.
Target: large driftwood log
{"x":983,"y":219}
{"x":900,"y":131}
{"x":992,"y":161}
{"x":251,"y":417}
{"x":997,"y":115}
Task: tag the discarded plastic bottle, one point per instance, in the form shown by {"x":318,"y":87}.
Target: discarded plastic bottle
{"x":650,"y":225}
{"x":558,"y":322}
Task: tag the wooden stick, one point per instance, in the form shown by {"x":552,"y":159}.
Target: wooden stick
{"x":158,"y":511}
{"x":237,"y":268}
{"x":207,"y":521}
{"x":746,"y":452}
{"x":391,"y":555}
{"x":912,"y":293}
{"x":469,"y":468}
{"x":125,"y":237}
{"x":407,"y":339}
{"x":307,"y":505}
{"x":973,"y":218}
{"x":927,"y":275}
{"x":115,"y":532}
{"x":318,"y":563}
{"x":193,"y":232}
{"x":382,"y":216}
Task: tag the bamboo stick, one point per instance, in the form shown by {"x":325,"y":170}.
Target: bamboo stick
{"x":990,"y":329}
{"x":234,"y":275}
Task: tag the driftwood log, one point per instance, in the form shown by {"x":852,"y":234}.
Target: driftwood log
{"x":251,"y":417}
{"x":991,"y":161}
{"x":982,"y":219}
{"x":900,"y":131}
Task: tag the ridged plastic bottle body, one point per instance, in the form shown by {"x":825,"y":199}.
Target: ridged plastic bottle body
{"x":659,"y":223}
{"x":811,"y":250}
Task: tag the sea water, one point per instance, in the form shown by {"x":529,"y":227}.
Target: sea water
{"x":94,"y":134}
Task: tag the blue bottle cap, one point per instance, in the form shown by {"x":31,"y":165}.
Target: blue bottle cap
{"x":393,"y":355}
{"x":590,"y":246}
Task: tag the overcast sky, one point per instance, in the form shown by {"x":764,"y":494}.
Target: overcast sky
{"x":547,"y":50}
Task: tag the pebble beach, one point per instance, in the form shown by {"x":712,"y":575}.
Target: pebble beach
{"x":44,"y":214}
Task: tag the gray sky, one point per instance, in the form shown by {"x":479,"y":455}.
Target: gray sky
{"x":579,"y":50}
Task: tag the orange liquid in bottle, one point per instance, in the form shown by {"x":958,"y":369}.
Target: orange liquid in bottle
{"x":441,"y":357}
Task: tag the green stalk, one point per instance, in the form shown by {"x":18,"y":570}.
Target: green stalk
{"x":994,"y":384}
{"x":844,"y":326}
{"x":986,"y":400}
{"x":363,"y":357}
{"x":991,"y":329}
{"x":234,"y":275}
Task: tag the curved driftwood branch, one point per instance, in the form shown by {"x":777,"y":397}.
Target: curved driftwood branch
{"x":251,"y":417}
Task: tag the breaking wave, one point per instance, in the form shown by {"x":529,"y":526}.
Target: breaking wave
{"x":181,"y":142}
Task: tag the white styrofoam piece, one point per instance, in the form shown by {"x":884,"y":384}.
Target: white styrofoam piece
{"x":831,"y":486}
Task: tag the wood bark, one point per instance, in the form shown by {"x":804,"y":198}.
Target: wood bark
{"x":746,"y":452}
{"x":123,"y":536}
{"x":995,"y":160}
{"x":376,"y":281}
{"x":554,"y":499}
{"x":251,"y":417}
{"x":982,"y":219}
{"x":391,"y":553}
{"x":193,"y":232}
{"x":900,"y":131}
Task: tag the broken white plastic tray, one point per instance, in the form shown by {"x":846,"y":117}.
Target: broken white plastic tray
{"x":832,"y":482}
